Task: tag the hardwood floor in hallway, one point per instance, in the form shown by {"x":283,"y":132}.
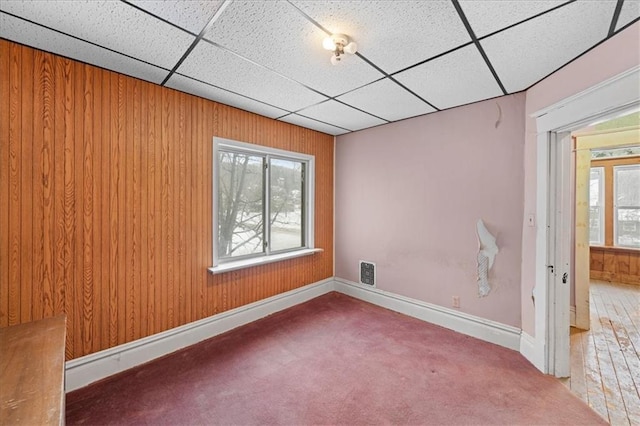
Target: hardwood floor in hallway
{"x":605,"y":361}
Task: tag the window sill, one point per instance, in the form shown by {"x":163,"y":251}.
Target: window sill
{"x":616,"y":248}
{"x":257,"y":261}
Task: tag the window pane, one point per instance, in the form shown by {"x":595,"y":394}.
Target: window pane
{"x":240,"y":204}
{"x":595,"y":226}
{"x":628,"y":186}
{"x":615,"y":152}
{"x":285,"y":204}
{"x":628,"y":227}
{"x":627,"y":196}
{"x":594,"y":187}
{"x":596,"y":212}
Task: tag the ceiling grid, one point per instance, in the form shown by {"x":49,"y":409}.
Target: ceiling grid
{"x":414,"y":57}
{"x":478,"y":45}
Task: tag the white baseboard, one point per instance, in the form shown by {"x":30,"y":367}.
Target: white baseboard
{"x":85,"y":370}
{"x":471,"y":325}
{"x":531,"y":350}
{"x":88,"y":369}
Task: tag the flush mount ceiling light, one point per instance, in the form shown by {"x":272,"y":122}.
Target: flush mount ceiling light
{"x":339,"y":44}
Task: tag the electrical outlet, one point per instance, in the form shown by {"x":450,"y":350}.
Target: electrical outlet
{"x":456,"y":301}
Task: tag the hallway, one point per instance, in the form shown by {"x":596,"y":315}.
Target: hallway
{"x":605,"y":362}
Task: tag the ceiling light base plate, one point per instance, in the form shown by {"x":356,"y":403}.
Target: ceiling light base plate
{"x":340,"y":39}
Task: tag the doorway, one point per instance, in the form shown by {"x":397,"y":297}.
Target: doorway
{"x":548,"y":350}
{"x":568,"y":254}
{"x":600,"y":151}
{"x":604,"y":344}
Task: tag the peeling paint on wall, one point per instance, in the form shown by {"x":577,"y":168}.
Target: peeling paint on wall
{"x":486,"y":255}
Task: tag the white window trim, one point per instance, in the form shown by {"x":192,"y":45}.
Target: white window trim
{"x":308,"y":249}
{"x":262,"y":260}
{"x":615,"y":204}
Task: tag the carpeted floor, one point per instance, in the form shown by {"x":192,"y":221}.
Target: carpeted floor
{"x":333,"y":360}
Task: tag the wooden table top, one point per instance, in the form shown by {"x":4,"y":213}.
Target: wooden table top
{"x":32,"y":373}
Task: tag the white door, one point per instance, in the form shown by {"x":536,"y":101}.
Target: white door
{"x":562,"y":252}
{"x":559,"y":252}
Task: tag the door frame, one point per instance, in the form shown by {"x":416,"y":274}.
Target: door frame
{"x":602,"y":101}
{"x":585,"y":142}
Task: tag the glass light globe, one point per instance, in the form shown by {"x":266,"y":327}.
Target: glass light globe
{"x":328,"y":44}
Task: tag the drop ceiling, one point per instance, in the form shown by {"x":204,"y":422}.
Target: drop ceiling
{"x":414,"y":57}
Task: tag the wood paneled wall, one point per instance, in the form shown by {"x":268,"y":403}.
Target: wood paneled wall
{"x":105,"y":202}
{"x":615,"y":264}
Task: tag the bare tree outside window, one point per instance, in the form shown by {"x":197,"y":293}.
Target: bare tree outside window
{"x":240,"y":204}
{"x":286,"y":204}
{"x":248,"y":186}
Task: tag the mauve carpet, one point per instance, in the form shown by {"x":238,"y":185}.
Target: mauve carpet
{"x":333,"y":360}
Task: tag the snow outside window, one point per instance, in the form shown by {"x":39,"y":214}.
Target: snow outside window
{"x":596,"y":206}
{"x":261,"y":201}
{"x":627,"y":205}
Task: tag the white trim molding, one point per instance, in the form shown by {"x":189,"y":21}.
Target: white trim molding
{"x":603,"y":100}
{"x":615,"y":94}
{"x":257,"y":261}
{"x":471,"y":325}
{"x":93,"y":367}
{"x":83,"y":371}
{"x":530,"y":350}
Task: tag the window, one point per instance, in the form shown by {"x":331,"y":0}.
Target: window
{"x":615,"y":152}
{"x":263,"y":204}
{"x":596,"y":206}
{"x":627,"y":205}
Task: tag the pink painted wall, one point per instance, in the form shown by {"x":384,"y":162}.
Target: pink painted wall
{"x":408,"y":196}
{"x":612,"y":57}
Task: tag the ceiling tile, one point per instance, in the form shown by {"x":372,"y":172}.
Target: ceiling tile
{"x":486,"y":17}
{"x":224,"y":69}
{"x":341,"y":115}
{"x":203,"y":90}
{"x":301,"y":121}
{"x":387,"y":100}
{"x":458,"y":78}
{"x":392,"y":34}
{"x":276,"y":35}
{"x":111,"y":24}
{"x":190,"y":15}
{"x":528,"y":52}
{"x":630,"y":11}
{"x":20,"y":31}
